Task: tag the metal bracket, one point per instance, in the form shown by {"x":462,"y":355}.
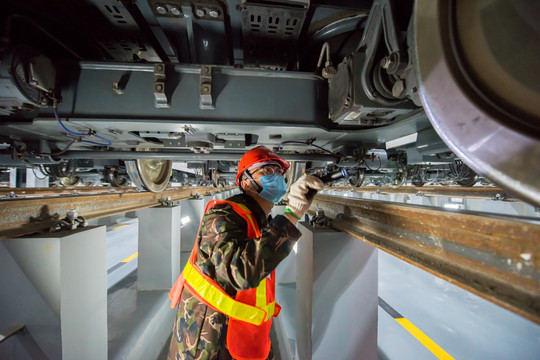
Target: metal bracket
{"x":499,"y":197}
{"x":71,"y":222}
{"x":381,"y":21}
{"x":166,"y":202}
{"x":320,"y":220}
{"x":205,"y":89}
{"x":159,"y":87}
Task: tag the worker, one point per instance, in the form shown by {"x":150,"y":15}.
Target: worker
{"x":225,"y":295}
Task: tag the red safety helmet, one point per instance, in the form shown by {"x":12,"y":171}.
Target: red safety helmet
{"x":260,"y":154}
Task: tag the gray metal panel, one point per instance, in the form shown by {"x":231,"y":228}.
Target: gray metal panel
{"x":239,"y":95}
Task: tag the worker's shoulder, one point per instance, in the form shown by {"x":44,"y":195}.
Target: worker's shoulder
{"x":225,"y":207}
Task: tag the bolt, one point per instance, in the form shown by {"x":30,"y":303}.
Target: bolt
{"x":386,"y":62}
{"x":176,"y":11}
{"x":161,"y":9}
{"x":200,"y":12}
{"x":205,"y":89}
{"x":159,"y":87}
{"x":72,"y":214}
{"x":213,"y":13}
{"x":206,"y":69}
{"x":117,"y":89}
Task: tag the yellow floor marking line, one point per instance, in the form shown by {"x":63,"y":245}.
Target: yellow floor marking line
{"x":118,"y":227}
{"x":414,"y":331}
{"x":424,"y":339}
{"x":126,"y":260}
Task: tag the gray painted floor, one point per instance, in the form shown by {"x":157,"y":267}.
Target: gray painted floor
{"x":464,"y":325}
{"x":122,"y":242}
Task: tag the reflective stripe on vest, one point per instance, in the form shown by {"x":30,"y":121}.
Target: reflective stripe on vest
{"x":221,"y":301}
{"x":261,"y":300}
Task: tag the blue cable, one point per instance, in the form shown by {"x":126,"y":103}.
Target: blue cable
{"x":107,"y":142}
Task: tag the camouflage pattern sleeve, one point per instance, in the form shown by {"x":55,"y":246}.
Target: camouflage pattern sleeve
{"x":236,"y":262}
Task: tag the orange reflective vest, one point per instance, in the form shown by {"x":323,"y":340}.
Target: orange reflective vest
{"x":250,"y":312}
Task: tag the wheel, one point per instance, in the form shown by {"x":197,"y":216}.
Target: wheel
{"x":69,"y":181}
{"x":417,"y":181}
{"x":468,"y":182}
{"x":357,"y":179}
{"x":150,"y":174}
{"x":112,"y":176}
{"x":490,"y":85}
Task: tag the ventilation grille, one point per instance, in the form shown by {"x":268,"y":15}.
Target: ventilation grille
{"x":117,"y":13}
{"x":274,"y":25}
{"x":124,"y":45}
{"x":270,"y":34}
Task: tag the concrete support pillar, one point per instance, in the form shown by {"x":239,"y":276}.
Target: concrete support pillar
{"x":12,"y":177}
{"x":192,"y":212}
{"x":69,"y":271}
{"x":336,"y":290}
{"x":35,"y":178}
{"x":159,"y":247}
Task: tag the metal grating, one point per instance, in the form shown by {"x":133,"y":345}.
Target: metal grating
{"x":270,"y":34}
{"x":126,"y":42}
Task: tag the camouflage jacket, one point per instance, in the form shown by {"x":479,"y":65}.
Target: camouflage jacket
{"x":236,"y":263}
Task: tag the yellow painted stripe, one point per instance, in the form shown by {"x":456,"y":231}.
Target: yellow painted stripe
{"x":126,"y":260}
{"x":424,"y":339}
{"x":118,"y":227}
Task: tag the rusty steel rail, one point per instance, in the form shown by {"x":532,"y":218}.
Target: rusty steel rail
{"x":497,"y":259}
{"x":27,"y":215}
{"x":6,"y":192}
{"x":475,"y":192}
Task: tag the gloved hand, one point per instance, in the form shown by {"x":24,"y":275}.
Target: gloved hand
{"x":298,"y":203}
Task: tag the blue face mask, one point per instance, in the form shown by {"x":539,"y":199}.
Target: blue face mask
{"x":273,"y":187}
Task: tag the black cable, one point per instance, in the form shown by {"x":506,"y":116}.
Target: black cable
{"x":37,"y":177}
{"x":380,"y":164}
{"x":62,"y":151}
{"x":303,"y":143}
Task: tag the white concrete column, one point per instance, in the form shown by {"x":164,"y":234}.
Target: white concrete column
{"x":13,"y":177}
{"x":35,"y":178}
{"x":192,"y":212}
{"x":337,"y":296}
{"x":159,"y":247}
{"x":69,"y":271}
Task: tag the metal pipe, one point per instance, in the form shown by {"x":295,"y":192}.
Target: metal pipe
{"x":187,"y":156}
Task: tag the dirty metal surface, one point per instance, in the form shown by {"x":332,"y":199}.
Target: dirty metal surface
{"x":27,"y":215}
{"x":475,"y":192}
{"x":59,"y":191}
{"x":497,"y":259}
